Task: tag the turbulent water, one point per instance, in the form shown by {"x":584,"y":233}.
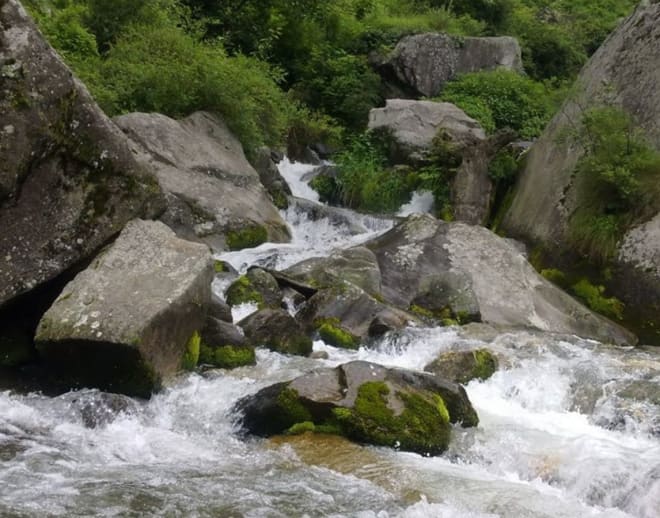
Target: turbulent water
{"x":562,"y":433}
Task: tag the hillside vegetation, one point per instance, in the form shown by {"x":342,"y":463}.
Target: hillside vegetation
{"x":298,"y":70}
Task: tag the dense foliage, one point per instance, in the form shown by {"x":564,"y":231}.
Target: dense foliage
{"x":270,"y":66}
{"x":620,"y":180}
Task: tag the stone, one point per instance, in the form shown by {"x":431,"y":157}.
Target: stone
{"x":257,"y":286}
{"x":276,"y":330}
{"x":506,"y":288}
{"x":68,"y":180}
{"x":623,"y":72}
{"x":365,"y":402}
{"x":464,"y":366}
{"x":217,"y":333}
{"x":126,"y":322}
{"x":415,"y":131}
{"x":219,"y":309}
{"x":266,"y":166}
{"x":422,"y":63}
{"x":200,"y":162}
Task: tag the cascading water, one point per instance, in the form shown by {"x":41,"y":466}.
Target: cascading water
{"x":558,"y":436}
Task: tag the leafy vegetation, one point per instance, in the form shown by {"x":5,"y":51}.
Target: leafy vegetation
{"x":619,"y":181}
{"x":297,"y":70}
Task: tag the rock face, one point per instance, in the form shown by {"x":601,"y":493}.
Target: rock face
{"x":506,"y":288}
{"x":421,"y":64}
{"x":365,"y":402}
{"x":622,"y":72}
{"x":68,"y":180}
{"x":412,"y":129}
{"x":211,"y":185}
{"x":125,"y":323}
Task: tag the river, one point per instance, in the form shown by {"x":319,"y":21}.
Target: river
{"x":563,"y":432}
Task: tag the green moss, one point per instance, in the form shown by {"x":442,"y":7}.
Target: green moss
{"x":191,"y":355}
{"x":293,"y":411}
{"x":280,"y":200}
{"x":421,"y":312}
{"x":219,"y":266}
{"x":246,"y":237}
{"x":333,"y":334}
{"x":300,"y":428}
{"x":485,"y":364}
{"x":227,"y":356}
{"x":555,"y":276}
{"x":422,"y":427}
{"x":241,"y":291}
{"x":593,"y":296}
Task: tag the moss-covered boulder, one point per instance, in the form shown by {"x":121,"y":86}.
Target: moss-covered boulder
{"x":276,"y":330}
{"x":365,"y":402}
{"x":223,"y":345}
{"x":132,"y":318}
{"x":256,"y":286}
{"x":464,"y":366}
{"x":346,"y":315}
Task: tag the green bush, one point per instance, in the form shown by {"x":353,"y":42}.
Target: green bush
{"x":514,"y":101}
{"x":619,"y":181}
{"x":162,"y":69}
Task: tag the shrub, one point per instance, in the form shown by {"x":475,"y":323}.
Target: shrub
{"x":515,"y":101}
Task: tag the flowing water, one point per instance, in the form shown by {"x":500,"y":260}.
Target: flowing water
{"x":568,"y":428}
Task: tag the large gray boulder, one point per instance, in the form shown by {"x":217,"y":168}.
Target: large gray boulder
{"x":623,"y":72}
{"x":422,"y":63}
{"x":506,"y":288}
{"x":365,"y":402}
{"x":415,"y":131}
{"x":132,"y":318}
{"x":68,"y":180}
{"x":212,"y":186}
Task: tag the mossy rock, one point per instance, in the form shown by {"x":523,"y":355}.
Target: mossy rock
{"x":227,"y":356}
{"x":242,"y":291}
{"x":276,"y":330}
{"x":249,"y":236}
{"x":464,"y":366}
{"x":332,"y":333}
{"x":364,"y":402}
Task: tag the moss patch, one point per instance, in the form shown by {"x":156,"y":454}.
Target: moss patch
{"x":219,"y":266}
{"x":293,"y":411}
{"x":485,"y":364}
{"x":241,"y":291}
{"x":422,"y":427}
{"x":227,"y":356}
{"x":246,"y":237}
{"x":191,"y":355}
{"x":333,"y":334}
{"x":594,"y":297}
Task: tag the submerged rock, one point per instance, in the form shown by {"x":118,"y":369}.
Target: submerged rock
{"x":99,"y":408}
{"x":127,"y":322}
{"x":422,"y":63}
{"x":201,"y":164}
{"x":464,"y":366}
{"x":68,"y":179}
{"x":364,"y":402}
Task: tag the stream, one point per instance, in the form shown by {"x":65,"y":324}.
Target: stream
{"x":568,"y":428}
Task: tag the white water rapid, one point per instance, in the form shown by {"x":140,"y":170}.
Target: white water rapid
{"x":557,"y":437}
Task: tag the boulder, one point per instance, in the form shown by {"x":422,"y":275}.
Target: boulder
{"x":623,"y":72}
{"x":365,"y":402}
{"x":219,"y":309}
{"x":464,"y":366}
{"x":257,"y":286}
{"x":223,"y":345}
{"x":345,"y":315}
{"x":68,"y":179}
{"x":132,"y":318}
{"x":276,"y":330}
{"x":421,"y":133}
{"x":357,"y":265}
{"x":199,"y":161}
{"x":506,"y":288}
{"x":422,"y":63}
